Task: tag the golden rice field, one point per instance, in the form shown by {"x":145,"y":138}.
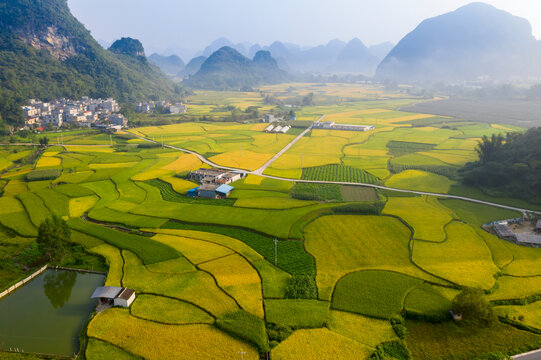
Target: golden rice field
{"x":239,"y":279}
{"x":420,"y":181}
{"x":463,"y":258}
{"x":312,"y":344}
{"x":368,"y":331}
{"x":194,"y":262}
{"x":342,"y":244}
{"x":424,"y":214}
{"x":155,"y":341}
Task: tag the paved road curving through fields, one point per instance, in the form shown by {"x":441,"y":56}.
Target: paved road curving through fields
{"x":381,"y":187}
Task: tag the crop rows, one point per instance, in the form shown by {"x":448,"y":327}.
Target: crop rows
{"x":335,"y":172}
{"x":291,"y":254}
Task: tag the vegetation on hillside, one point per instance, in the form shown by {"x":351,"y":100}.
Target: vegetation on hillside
{"x":84,"y":67}
{"x":509,"y":166}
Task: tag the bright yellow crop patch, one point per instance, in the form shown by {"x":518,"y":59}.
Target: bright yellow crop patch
{"x":48,"y":161}
{"x":156,"y":341}
{"x":185,"y":162}
{"x":197,"y":251}
{"x":303,"y":160}
{"x":424,"y":214}
{"x":169,"y":311}
{"x":253,"y":180}
{"x":238,"y":278}
{"x":420,"y":181}
{"x":525,"y":260}
{"x":528,"y":314}
{"x":345,"y":243}
{"x":463,"y":258}
{"x":179,"y":185}
{"x":226,"y":241}
{"x":78,"y":206}
{"x":243,"y":159}
{"x":115,"y":262}
{"x":94,"y":148}
{"x":367,"y":331}
{"x":510,"y":287}
{"x":196,"y":287}
{"x":316,"y":344}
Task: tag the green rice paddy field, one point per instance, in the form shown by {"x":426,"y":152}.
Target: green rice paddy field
{"x":213,"y":276}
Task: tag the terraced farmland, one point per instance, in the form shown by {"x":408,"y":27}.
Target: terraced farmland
{"x":219,"y":274}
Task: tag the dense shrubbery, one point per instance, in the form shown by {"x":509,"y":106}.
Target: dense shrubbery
{"x":392,"y":350}
{"x":247,"y":327}
{"x":509,"y":167}
{"x":472,"y":305}
{"x":278,"y":333}
{"x":301,"y":287}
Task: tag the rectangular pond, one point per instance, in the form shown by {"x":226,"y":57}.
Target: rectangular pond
{"x":47,"y":314}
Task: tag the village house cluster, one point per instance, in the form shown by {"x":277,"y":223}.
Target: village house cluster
{"x":150,"y":106}
{"x":214,"y":183}
{"x":86,"y":112}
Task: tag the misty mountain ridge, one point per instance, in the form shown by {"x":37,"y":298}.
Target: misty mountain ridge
{"x":476,"y":40}
{"x":294,"y":58}
{"x":193,"y":66}
{"x":171,"y":65}
{"x":227,"y":68}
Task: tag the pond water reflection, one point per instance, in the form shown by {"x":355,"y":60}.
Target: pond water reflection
{"x":47,"y":314}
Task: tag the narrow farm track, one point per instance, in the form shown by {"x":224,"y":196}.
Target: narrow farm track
{"x":381,"y":187}
{"x":286,"y":148}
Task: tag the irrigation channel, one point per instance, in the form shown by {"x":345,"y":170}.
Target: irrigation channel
{"x":259,"y":172}
{"x":47,"y":314}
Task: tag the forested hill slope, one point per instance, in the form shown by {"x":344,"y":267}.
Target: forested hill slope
{"x":45,"y":53}
{"x":229,"y":69}
{"x":509,"y":167}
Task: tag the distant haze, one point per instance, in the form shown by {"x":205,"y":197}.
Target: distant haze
{"x":187,"y":27}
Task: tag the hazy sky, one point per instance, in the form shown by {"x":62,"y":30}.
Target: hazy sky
{"x":193,"y":24}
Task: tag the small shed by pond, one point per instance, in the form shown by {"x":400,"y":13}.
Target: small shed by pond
{"x":114,"y":295}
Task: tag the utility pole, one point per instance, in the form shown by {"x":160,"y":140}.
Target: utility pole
{"x":162,"y":140}
{"x":275,"y":252}
{"x":111,"y":139}
{"x":242,"y":353}
{"x":240,"y":146}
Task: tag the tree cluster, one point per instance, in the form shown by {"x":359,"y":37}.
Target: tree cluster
{"x":508,"y":166}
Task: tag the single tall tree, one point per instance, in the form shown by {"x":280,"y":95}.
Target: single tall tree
{"x":53,"y":235}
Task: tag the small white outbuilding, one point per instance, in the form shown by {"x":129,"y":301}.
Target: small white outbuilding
{"x":114,"y":295}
